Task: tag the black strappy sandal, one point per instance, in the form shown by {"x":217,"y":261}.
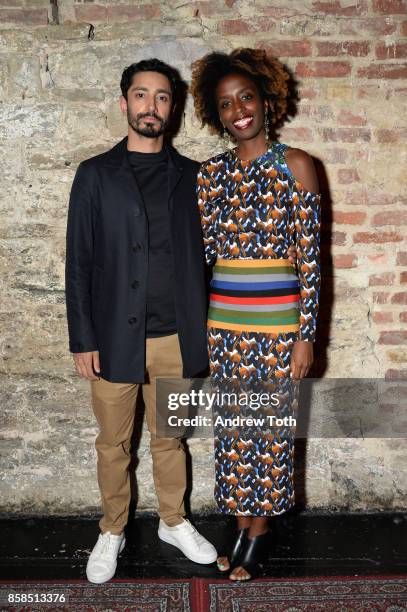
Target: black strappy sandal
{"x":237,"y":550}
{"x":254,"y":553}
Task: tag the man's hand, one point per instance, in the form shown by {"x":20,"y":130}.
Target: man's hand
{"x":292,"y":254}
{"x":87,"y":364}
{"x":302,"y":357}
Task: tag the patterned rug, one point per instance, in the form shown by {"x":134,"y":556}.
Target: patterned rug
{"x":332,"y":594}
{"x":82,"y":596}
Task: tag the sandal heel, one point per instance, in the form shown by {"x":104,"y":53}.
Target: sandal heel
{"x":254,"y":553}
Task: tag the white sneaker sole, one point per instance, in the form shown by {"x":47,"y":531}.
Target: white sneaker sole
{"x":105,"y":577}
{"x":202,"y":559}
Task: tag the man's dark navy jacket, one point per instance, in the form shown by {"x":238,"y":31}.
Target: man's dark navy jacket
{"x":107,"y":265}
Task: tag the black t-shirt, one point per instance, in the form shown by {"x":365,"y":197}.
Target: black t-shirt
{"x":151,"y":171}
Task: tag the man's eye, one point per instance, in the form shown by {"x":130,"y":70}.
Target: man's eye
{"x":139,"y":94}
{"x":163,"y":98}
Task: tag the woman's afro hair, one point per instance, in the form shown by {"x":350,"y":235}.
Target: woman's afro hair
{"x":266,"y":71}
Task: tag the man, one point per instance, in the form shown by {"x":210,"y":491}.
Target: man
{"x":136,"y":303}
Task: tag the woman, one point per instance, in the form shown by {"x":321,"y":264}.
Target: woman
{"x":254,"y":201}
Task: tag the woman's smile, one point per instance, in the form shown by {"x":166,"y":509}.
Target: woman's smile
{"x":242,"y":124}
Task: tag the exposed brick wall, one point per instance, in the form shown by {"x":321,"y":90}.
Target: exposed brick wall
{"x":60,"y":67}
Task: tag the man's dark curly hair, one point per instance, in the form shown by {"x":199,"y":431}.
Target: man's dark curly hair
{"x":150,"y":65}
{"x":266,"y":71}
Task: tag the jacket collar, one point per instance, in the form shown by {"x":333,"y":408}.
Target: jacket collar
{"x":118,"y":156}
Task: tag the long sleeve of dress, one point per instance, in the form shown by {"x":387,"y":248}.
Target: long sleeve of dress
{"x":307,"y":219}
{"x":208,"y":215}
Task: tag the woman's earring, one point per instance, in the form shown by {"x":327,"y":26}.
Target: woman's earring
{"x":267,"y":124}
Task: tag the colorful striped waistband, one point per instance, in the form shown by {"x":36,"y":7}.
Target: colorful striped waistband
{"x":254,"y":295}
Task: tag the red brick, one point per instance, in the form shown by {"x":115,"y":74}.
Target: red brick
{"x":382,"y":317}
{"x":385,"y":278}
{"x":348,"y":175}
{"x":380,"y":297}
{"x":11,"y":3}
{"x":355,"y":49}
{"x":235,"y":26}
{"x":403,"y":316}
{"x":346,"y":117}
{"x":390,"y":6}
{"x":393,"y":337}
{"x":401,"y":258}
{"x":383,"y":71}
{"x":335,"y":156}
{"x":335,"y":7}
{"x":302,"y":134}
{"x":369,"y":91}
{"x":391,"y":217}
{"x":346,"y":134}
{"x":377,"y":26}
{"x":124,"y":12}
{"x":378,"y":258}
{"x":37,"y":16}
{"x":403,"y":277}
{"x":382,"y":198}
{"x":338,"y":238}
{"x":319,"y":113}
{"x":362,"y":196}
{"x":391,"y":135}
{"x":393,"y":374}
{"x":212,"y":8}
{"x":345,"y":260}
{"x":391,"y":51}
{"x":323,"y":69}
{"x":349,"y":218}
{"x":240,"y":26}
{"x":354,"y":197}
{"x":399,"y":298}
{"x":90,"y":13}
{"x":395,"y":92}
{"x":376,"y":238}
{"x":308,"y":93}
{"x":287,"y":48}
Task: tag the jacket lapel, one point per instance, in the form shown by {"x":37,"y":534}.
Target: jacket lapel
{"x":128,"y":184}
{"x":175,"y":171}
{"x":125,"y":174}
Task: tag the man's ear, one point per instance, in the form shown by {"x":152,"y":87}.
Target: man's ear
{"x":123,"y":104}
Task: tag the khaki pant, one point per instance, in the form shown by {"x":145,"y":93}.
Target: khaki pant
{"x":114,"y":407}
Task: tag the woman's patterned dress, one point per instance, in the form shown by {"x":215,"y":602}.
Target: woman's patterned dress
{"x":251,"y":211}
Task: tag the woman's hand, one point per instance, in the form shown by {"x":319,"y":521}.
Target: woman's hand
{"x":302,"y":357}
{"x":292,"y":254}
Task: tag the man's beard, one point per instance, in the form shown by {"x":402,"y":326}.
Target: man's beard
{"x":149,"y":130}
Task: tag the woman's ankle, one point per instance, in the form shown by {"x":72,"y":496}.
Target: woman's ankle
{"x":244,"y":522}
{"x":258,"y":528}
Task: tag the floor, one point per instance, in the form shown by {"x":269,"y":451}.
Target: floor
{"x":305,"y":544}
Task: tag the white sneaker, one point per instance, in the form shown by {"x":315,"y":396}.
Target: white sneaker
{"x":189,"y":541}
{"x":102,"y":561}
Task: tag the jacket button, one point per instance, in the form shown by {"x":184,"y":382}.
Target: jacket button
{"x":132,"y":320}
{"x":136,"y":247}
{"x":135,"y":284}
